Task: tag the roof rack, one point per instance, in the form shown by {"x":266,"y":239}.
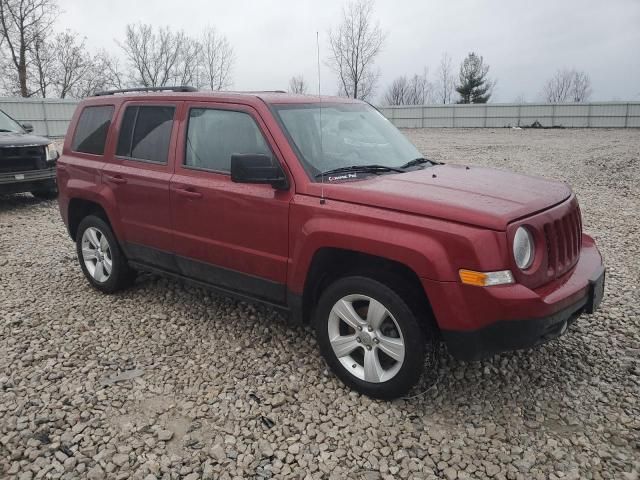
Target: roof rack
{"x":258,"y":91}
{"x":178,"y":88}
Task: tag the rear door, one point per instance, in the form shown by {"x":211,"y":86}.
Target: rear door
{"x":139,"y":177}
{"x":228,"y":234}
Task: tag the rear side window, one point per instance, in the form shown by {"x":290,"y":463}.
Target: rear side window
{"x":145,"y":133}
{"x":214,"y":135}
{"x":91,"y":131}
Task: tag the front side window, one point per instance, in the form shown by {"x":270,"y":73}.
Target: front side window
{"x":332,"y":136}
{"x":92,"y":129}
{"x":214,"y":135}
{"x":145,"y":133}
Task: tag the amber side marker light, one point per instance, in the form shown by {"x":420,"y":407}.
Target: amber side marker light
{"x":486,"y":279}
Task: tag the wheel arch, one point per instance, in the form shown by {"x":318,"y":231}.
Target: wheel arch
{"x":330,"y":263}
{"x":80,"y":208}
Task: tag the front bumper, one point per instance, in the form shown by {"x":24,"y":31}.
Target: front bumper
{"x":27,"y":181}
{"x":478,"y":322}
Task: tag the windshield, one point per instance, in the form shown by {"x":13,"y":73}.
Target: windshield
{"x":344,"y":135}
{"x":8,"y":124}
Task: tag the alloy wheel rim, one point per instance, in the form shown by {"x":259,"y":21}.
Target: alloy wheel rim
{"x":366,"y":338}
{"x":96,"y":254}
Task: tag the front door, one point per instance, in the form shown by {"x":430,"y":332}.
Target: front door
{"x":228,"y":234}
{"x":139,"y":177}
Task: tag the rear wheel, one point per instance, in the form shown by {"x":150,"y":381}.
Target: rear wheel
{"x":370,"y":337}
{"x":101,"y":259}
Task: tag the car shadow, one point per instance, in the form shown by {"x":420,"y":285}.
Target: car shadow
{"x":550,"y":392}
{"x":551,"y":366}
{"x":13,"y":202}
{"x":550,"y":389}
{"x":196,"y":293}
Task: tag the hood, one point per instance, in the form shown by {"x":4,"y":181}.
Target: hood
{"x":473,"y":195}
{"x":11,"y":139}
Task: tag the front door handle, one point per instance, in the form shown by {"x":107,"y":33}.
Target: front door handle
{"x":115,"y":179}
{"x":186,"y":192}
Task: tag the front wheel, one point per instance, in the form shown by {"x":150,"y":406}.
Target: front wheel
{"x":370,"y":337}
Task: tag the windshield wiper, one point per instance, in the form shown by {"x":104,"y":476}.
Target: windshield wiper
{"x":360,"y":168}
{"x":7,"y":131}
{"x":417,"y":161}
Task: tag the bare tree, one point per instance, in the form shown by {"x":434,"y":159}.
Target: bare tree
{"x":420,"y":90}
{"x":101,"y":73}
{"x":65,"y":68}
{"x":354,"y":45}
{"x":23,"y":23}
{"x":43,"y":65}
{"x":59,"y":66}
{"x":188,"y":65}
{"x":162,"y":57}
{"x":112,"y":74}
{"x":416,"y":90}
{"x":72,"y":63}
{"x":581,"y":88}
{"x":396,"y":94}
{"x":445,"y":81}
{"x":217,"y":60}
{"x":153,"y":56}
{"x":297,"y":84}
{"x":567,"y":86}
{"x":558,"y":88}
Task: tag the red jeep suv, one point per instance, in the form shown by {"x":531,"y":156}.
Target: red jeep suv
{"x":319,"y":206}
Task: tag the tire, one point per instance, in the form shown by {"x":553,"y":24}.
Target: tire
{"x":365,"y":365}
{"x":100,"y":257}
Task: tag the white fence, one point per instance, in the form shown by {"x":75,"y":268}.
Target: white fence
{"x":50,"y":117}
{"x":576,"y":115}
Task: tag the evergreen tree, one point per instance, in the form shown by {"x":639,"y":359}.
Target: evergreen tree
{"x":473,"y":84}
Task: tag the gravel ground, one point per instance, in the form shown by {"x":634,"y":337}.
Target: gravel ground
{"x":168,"y":381}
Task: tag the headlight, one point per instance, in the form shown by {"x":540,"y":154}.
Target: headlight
{"x":523,"y":249}
{"x":52,"y":153}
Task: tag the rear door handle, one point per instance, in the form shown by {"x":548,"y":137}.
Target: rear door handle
{"x":115,"y":179}
{"x":186,"y":192}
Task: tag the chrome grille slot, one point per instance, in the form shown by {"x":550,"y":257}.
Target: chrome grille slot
{"x":566,"y":222}
{"x":562,"y":244}
{"x":552,"y":248}
{"x":564,"y":241}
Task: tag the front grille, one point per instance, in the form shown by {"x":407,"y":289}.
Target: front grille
{"x":564,"y":241}
{"x":21,"y":159}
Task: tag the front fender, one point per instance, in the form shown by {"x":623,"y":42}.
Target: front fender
{"x":432,"y":248}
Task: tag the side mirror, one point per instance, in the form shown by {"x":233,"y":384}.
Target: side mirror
{"x":27,"y":127}
{"x":257,"y":168}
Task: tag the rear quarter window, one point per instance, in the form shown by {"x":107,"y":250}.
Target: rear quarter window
{"x":92,"y":128}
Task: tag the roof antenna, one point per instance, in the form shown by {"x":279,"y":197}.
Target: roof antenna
{"x":322,"y":200}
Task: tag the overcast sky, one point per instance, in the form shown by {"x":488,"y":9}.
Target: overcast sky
{"x":524,"y":42}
